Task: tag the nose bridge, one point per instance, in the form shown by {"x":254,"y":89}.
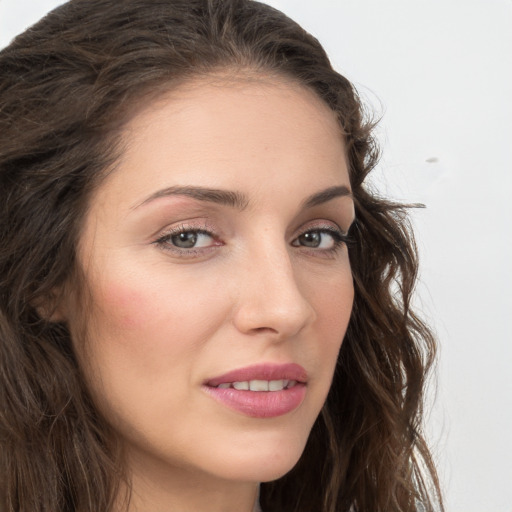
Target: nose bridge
{"x":271,"y":298}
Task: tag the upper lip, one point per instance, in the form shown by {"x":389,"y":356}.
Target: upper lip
{"x":264,"y":371}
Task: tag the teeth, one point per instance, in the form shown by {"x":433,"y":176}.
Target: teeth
{"x":276,"y":385}
{"x":260,"y":385}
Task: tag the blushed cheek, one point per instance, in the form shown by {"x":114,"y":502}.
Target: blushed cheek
{"x":126,"y":307}
{"x":126,"y":335}
{"x":147,"y":312}
{"x":128,"y":312}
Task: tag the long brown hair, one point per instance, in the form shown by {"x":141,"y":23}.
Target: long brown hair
{"x":66,"y":85}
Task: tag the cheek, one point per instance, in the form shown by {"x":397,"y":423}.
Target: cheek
{"x":340,"y":309}
{"x":147,"y":308}
{"x":139,"y":342}
{"x":150,"y":324}
{"x":333,"y":304}
{"x":333,"y":301}
{"x":126,"y":306}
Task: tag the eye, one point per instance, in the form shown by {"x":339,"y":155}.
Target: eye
{"x":323,"y":239}
{"x":193,"y":239}
{"x":316,"y":239}
{"x":187,"y":241}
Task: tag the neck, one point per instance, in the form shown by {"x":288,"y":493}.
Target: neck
{"x":164,"y":489}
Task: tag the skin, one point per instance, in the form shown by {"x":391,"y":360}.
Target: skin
{"x":164,"y":319}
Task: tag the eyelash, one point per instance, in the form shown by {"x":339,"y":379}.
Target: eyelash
{"x":339,"y":240}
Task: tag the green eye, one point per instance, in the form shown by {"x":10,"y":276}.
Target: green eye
{"x":192,"y":239}
{"x":186,"y":240}
{"x":310,"y":239}
{"x":183,"y":240}
{"x":323,"y":239}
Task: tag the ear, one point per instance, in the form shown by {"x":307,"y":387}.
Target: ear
{"x":51,"y":307}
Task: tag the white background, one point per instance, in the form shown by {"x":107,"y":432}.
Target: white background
{"x":440,"y":74}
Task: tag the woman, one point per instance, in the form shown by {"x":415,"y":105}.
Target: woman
{"x":198,"y":292}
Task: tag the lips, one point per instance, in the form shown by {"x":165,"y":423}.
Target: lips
{"x":260,"y":391}
{"x":268,"y":372}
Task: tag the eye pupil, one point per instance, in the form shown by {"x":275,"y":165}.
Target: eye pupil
{"x":185,"y":240}
{"x":311,"y":239}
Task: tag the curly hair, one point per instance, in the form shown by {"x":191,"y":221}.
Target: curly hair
{"x":66,"y":87}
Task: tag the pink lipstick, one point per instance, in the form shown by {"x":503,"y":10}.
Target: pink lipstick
{"x":260,"y":391}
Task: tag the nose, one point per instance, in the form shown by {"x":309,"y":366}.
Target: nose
{"x":271,"y":301}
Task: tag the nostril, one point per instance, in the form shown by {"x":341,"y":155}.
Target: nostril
{"x":264,"y":329}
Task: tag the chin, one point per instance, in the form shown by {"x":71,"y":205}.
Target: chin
{"x":261,"y":472}
{"x":263,"y":460}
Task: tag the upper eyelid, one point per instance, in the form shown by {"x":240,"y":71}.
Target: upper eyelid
{"x":183,"y":228}
{"x":321,"y":225}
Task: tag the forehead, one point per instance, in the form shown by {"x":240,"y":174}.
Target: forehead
{"x":234,"y":101}
{"x":220,"y":132}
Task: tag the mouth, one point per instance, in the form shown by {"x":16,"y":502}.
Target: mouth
{"x":259,"y":385}
{"x":260,"y":391}
{"x":262,"y":377}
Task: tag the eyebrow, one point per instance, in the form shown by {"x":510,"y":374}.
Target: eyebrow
{"x":326,"y":195}
{"x":239,"y":200}
{"x":211,"y":195}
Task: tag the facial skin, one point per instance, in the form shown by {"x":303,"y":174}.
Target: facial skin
{"x":253,"y":289}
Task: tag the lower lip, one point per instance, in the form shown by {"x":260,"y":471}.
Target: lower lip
{"x":260,"y":404}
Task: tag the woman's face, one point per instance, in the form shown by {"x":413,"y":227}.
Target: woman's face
{"x":215,"y":258}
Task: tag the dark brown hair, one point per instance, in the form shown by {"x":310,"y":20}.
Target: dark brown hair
{"x":66,"y":85}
